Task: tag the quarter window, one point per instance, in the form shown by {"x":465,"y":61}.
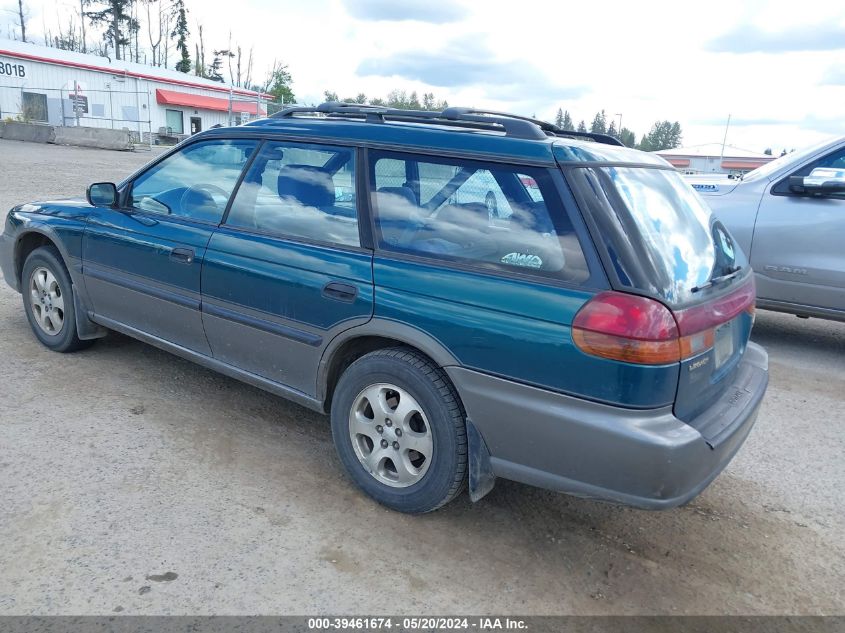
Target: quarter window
{"x":195,"y":182}
{"x":300,"y":191}
{"x":488,"y":216}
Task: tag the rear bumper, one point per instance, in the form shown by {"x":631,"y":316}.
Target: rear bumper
{"x":7,"y":260}
{"x":644,"y":458}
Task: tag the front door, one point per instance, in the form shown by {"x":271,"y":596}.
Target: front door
{"x":196,"y":125}
{"x":797,"y":249}
{"x":286,"y":273}
{"x":142,"y":262}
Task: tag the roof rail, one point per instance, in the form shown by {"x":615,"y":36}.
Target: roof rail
{"x":547,"y":127}
{"x":514,"y":126}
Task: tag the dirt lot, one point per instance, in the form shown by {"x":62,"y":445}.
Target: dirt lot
{"x":132,"y":481}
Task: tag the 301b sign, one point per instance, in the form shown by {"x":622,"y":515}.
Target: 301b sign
{"x":12,"y":70}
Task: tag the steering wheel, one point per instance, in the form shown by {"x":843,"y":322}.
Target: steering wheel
{"x":202,"y":198}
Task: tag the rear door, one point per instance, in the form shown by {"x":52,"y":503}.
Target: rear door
{"x":142,"y":262}
{"x":797,"y":250}
{"x":286,"y":271}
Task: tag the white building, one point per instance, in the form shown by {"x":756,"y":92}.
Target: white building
{"x":42,"y":84}
{"x":710,"y":158}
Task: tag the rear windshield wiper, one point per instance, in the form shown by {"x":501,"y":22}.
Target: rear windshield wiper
{"x":729,"y":274}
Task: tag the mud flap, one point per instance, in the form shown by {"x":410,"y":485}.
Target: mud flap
{"x":85,"y":328}
{"x":481,"y":477}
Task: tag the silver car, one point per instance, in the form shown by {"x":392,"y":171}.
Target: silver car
{"x":789,"y":216}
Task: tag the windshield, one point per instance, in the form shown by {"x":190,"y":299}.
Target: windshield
{"x":661,"y":237}
{"x":764,"y":171}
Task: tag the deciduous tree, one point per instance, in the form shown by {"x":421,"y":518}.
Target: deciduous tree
{"x":279,"y":84}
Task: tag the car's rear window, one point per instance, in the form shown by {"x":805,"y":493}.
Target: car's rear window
{"x":660,"y":236}
{"x":488,"y":216}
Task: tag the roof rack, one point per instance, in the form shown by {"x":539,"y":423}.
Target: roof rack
{"x":514,"y":126}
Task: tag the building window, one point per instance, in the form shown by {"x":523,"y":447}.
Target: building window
{"x":174,"y":122}
{"x":34,"y":106}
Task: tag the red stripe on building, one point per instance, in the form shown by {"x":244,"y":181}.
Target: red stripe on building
{"x":678,"y":162}
{"x":202,"y":102}
{"x":743,"y":164}
{"x":129,"y":73}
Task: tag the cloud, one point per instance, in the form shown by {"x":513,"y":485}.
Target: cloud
{"x":468,"y":63}
{"x":834,"y":77}
{"x":401,"y":10}
{"x":831,"y":126}
{"x":743,"y":121}
{"x":749,"y":39}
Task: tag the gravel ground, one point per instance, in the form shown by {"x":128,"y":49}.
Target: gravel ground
{"x":132,"y":481}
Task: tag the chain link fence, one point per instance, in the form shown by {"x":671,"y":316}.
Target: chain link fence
{"x":129,"y":110}
{"x":115,"y":109}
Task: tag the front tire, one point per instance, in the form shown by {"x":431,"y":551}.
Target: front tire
{"x":48,"y":301}
{"x":398,"y":427}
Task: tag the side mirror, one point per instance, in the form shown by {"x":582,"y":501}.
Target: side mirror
{"x":102,"y":194}
{"x":822,"y":181}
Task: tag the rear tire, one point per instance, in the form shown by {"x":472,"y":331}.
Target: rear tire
{"x":389,"y":409}
{"x":48,"y":301}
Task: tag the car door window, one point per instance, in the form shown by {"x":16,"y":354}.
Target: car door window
{"x":835,"y":160}
{"x":195,"y":182}
{"x":480,"y":215}
{"x":300,"y":191}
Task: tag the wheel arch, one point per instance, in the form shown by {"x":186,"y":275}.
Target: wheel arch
{"x":37,"y":236}
{"x":348,"y":346}
{"x":33,"y":237}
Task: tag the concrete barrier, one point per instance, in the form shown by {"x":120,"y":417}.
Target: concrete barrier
{"x":101,"y":138}
{"x":15,"y":131}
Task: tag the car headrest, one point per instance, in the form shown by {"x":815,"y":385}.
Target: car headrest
{"x":309,"y":185}
{"x":402,"y":192}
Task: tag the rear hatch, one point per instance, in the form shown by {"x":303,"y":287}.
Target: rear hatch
{"x":659,"y":240}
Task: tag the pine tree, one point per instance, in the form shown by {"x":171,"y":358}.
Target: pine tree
{"x":181,"y":32}
{"x":559,"y":118}
{"x":116,"y":16}
{"x":599,"y":125}
{"x":628,"y":138}
{"x":567,"y":122}
{"x":663,"y":135}
{"x":581,"y":126}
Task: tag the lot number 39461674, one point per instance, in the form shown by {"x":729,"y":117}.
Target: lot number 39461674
{"x":12,"y":70}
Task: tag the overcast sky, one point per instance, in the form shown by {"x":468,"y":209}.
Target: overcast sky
{"x":778,"y":67}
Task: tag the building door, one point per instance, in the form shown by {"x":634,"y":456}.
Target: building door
{"x":196,"y":125}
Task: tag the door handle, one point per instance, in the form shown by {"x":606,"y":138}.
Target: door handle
{"x":182,"y":255}
{"x":340,"y":291}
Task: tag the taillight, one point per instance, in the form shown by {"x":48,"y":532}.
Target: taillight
{"x":640,"y":330}
{"x":627,"y":327}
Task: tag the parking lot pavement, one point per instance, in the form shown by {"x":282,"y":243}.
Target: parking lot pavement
{"x":132,"y":481}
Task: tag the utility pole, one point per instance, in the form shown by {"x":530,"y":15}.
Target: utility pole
{"x":724,"y":140}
